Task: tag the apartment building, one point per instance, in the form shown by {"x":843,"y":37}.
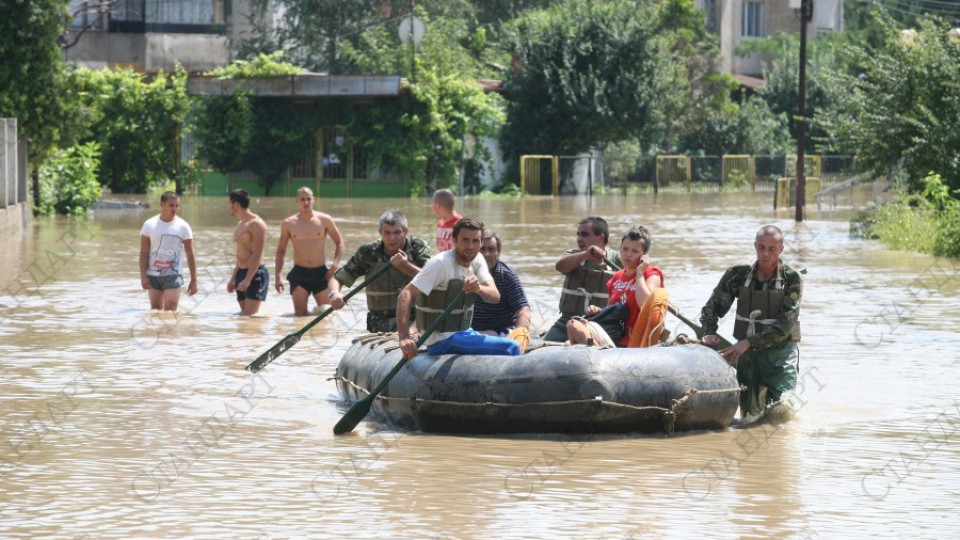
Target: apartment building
{"x":736,"y":21}
{"x":150,"y":35}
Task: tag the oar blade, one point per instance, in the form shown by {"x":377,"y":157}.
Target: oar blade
{"x":264,"y":359}
{"x":353,"y":417}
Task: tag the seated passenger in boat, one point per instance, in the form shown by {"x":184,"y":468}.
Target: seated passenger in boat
{"x":638,"y":302}
{"x":510,"y":317}
{"x":437,"y":285}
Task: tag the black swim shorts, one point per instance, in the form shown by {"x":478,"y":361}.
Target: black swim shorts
{"x":258,"y":285}
{"x":162,"y":283}
{"x":313,"y":280}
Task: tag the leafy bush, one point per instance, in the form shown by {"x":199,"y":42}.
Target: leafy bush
{"x":68,"y":180}
{"x":926,"y":223}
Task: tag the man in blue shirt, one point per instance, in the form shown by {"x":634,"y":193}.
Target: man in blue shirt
{"x":513,"y":310}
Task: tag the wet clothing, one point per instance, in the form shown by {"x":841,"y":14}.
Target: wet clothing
{"x":166,"y":245}
{"x":313,"y":280}
{"x":445,"y":233}
{"x":382,"y":292}
{"x":162,"y":283}
{"x":258,"y":285}
{"x":502,"y":316}
{"x":768,"y":317}
{"x":583,"y":286}
{"x":767,"y":374}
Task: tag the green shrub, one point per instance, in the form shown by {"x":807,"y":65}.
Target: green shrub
{"x":68,"y":180}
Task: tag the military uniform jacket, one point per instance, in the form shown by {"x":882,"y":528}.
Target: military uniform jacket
{"x":371,"y":256}
{"x":776,"y":325}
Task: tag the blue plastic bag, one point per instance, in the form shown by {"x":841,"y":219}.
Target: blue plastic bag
{"x":473,"y":342}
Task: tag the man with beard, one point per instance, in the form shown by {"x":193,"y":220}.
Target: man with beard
{"x":435,"y":288}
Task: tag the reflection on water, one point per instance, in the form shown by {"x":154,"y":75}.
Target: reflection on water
{"x":121,"y":423}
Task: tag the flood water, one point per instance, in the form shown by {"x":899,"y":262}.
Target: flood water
{"x":115,"y":423}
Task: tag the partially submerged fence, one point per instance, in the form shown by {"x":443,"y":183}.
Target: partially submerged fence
{"x":756,"y":173}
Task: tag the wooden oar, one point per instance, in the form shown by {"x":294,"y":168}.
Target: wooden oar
{"x":294,"y":338}
{"x":360,"y":409}
{"x":697,"y":329}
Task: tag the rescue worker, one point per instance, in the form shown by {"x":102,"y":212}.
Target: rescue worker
{"x":405,"y":254}
{"x":767,"y":327}
{"x":585,"y":274}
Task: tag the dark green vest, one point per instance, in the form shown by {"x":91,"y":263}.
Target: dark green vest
{"x":429,"y":307}
{"x":756,"y":309}
{"x":584,"y":285}
{"x":382,"y":292}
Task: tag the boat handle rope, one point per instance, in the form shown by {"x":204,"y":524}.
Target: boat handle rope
{"x":669,"y":414}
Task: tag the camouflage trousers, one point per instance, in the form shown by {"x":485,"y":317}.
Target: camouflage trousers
{"x":381,"y":323}
{"x":767,"y":374}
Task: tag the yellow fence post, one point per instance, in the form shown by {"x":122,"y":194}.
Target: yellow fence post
{"x":530,"y":174}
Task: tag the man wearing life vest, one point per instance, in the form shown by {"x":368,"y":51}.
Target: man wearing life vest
{"x":585,"y":274}
{"x":767,"y":327}
{"x":437,"y":286}
{"x":406,"y":255}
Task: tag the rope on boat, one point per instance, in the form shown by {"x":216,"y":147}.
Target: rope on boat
{"x":670,"y":414}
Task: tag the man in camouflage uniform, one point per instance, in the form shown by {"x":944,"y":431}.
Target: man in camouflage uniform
{"x":585,"y":274}
{"x":767,"y":353}
{"x":406,"y":255}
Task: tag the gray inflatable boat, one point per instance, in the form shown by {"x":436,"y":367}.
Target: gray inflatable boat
{"x":551,"y":389}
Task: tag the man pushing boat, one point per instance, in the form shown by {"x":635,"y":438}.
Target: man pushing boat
{"x":768,"y":294}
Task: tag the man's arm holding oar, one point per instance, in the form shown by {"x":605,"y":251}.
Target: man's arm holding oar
{"x":292,"y":339}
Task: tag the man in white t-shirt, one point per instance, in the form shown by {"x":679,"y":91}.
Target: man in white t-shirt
{"x":460,"y":263}
{"x":163,"y":240}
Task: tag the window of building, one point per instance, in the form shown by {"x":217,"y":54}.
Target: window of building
{"x":712,"y":10}
{"x":752,"y":23}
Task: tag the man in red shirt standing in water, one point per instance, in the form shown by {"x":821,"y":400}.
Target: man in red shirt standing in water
{"x":443,"y":209}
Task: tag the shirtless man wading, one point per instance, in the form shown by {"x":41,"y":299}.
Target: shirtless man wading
{"x":308,"y":229}
{"x":250,"y":279}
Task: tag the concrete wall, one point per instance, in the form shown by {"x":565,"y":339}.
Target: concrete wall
{"x":149,"y":52}
{"x":14,"y":205}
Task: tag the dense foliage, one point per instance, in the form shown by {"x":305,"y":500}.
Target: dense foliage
{"x":68,"y":180}
{"x":31,"y":88}
{"x":585,"y":73}
{"x":903,"y":109}
{"x":928,"y":222}
{"x":134,"y":120}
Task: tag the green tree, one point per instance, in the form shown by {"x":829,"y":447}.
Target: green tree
{"x":69,"y":180}
{"x":585,"y":74}
{"x":31,"y":85}
{"x":243,"y":133}
{"x":903,"y":109}
{"x":425,"y":136}
{"x":134,"y":120}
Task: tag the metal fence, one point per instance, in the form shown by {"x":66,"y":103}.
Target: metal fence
{"x":689,"y":173}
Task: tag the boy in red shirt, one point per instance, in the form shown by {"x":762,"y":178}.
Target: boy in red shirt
{"x":443,"y":209}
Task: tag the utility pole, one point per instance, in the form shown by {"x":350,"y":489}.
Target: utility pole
{"x":806,"y":15}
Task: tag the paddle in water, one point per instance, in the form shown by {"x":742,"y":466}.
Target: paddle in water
{"x":292,"y":339}
{"x":360,"y":409}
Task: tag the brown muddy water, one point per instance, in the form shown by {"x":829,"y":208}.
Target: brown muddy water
{"x":115,"y":423}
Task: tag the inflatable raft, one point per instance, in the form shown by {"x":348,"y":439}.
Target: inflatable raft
{"x":551,"y":389}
